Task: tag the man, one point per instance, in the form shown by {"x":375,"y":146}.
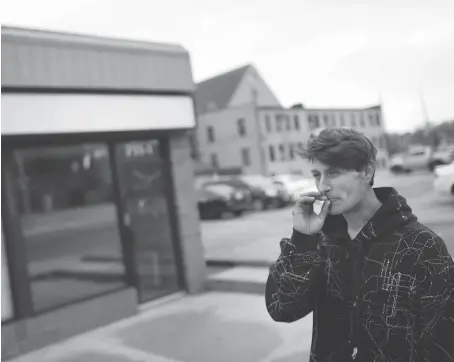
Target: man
{"x":379,"y":283}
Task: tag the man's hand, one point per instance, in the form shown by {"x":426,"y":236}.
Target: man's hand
{"x":305,"y":220}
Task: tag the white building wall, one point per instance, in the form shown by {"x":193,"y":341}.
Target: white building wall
{"x":363,"y":120}
{"x":287,"y":137}
{"x":228,"y":143}
{"x":244,"y":93}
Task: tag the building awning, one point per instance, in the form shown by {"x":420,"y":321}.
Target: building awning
{"x":44,"y":59}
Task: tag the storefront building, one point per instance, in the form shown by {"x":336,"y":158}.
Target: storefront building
{"x":98,"y":210}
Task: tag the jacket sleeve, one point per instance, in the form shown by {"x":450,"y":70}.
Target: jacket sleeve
{"x":435,"y":300}
{"x":291,"y":282}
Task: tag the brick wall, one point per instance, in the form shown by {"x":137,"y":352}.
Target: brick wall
{"x":24,"y":336}
{"x":187,"y":213}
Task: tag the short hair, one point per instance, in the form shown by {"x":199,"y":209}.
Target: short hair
{"x":340,"y":147}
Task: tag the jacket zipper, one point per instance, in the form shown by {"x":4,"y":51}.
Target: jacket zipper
{"x":355,"y":315}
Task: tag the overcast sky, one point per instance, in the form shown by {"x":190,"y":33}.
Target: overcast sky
{"x":322,"y":53}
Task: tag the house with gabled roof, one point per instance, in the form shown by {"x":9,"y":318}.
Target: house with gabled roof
{"x":242,"y":124}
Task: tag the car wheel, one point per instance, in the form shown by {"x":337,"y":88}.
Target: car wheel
{"x":397,"y":169}
{"x":217,"y":211}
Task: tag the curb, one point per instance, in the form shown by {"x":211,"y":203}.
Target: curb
{"x":226,"y":263}
{"x":235,"y":286}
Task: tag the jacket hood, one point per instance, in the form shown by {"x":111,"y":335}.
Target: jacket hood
{"x":393,"y":213}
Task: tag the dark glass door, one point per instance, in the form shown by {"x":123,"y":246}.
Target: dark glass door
{"x":146,"y":218}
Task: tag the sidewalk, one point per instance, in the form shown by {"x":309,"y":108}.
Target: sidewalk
{"x":221,"y":327}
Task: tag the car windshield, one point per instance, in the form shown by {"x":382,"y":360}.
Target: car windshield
{"x":224,"y":190}
{"x":256,"y":180}
{"x":290,"y":178}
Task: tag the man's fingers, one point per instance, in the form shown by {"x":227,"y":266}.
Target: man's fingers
{"x":315,"y":194}
{"x":325,"y":209}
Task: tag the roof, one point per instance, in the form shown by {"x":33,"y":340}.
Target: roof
{"x":341,"y":109}
{"x":55,"y":60}
{"x":53,"y":37}
{"x":218,"y":90}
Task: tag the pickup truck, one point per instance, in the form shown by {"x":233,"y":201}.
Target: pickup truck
{"x":421,"y":158}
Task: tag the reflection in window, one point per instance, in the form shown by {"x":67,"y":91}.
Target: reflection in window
{"x":7,"y":305}
{"x":68,"y":220}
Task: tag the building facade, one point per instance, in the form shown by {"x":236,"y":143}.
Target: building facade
{"x":97,"y":218}
{"x":250,"y":129}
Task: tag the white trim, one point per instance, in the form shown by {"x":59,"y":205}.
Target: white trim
{"x":68,"y":113}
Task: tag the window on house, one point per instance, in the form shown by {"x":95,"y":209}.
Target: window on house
{"x":268,"y":123}
{"x":241,"y":125}
{"x":272,"y":153}
{"x":382,"y":141}
{"x":288,"y":125}
{"x":291,"y":151}
{"x":377,"y":119}
{"x":362,"y":121}
{"x":342,"y":120}
{"x":371,"y":119}
{"x":313,"y":121}
{"x":326,"y":120}
{"x":245,"y":157}
{"x":297,"y":121}
{"x":353,"y":121}
{"x":333,"y":120}
{"x":279,"y":125}
{"x":282,"y":152}
{"x":210,"y":134}
{"x":214,"y":160}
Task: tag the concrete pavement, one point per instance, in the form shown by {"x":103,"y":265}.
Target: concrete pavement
{"x":201,"y":328}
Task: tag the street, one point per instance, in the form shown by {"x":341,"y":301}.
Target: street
{"x":254,"y":238}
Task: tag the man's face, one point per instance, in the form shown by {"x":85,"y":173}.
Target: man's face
{"x":344,"y":188}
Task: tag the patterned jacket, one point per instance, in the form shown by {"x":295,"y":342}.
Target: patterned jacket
{"x":387,"y":295}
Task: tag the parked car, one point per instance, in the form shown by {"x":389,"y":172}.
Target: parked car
{"x":295,"y":185}
{"x":444,"y":180}
{"x":216,"y":200}
{"x":420,"y":158}
{"x":256,"y":197}
{"x":275,"y":195}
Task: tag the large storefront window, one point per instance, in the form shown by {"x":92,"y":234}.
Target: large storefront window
{"x":69,"y":222}
{"x":7,"y":305}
